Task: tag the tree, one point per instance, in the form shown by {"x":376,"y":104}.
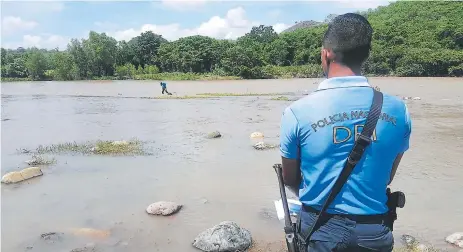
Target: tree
{"x":80,"y":58}
{"x":64,"y":67}
{"x":147,"y":47}
{"x":277,"y":53}
{"x":36,"y":64}
{"x":3,"y":60}
{"x":102,"y":52}
{"x":262,"y":34}
{"x":409,"y":39}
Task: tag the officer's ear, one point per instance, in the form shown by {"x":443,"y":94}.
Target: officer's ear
{"x":326,"y":55}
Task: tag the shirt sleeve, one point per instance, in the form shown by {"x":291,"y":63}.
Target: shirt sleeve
{"x":288,"y":135}
{"x":408,"y":131}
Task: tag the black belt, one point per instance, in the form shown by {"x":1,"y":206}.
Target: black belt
{"x":361,"y":219}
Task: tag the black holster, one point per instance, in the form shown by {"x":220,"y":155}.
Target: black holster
{"x":394,"y":200}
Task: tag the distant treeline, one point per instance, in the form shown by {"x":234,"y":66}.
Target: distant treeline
{"x":410,"y":39}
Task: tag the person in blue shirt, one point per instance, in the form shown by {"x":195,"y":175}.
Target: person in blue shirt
{"x":318,"y":132}
{"x":164,"y":88}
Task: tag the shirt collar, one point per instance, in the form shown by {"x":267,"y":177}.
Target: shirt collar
{"x":342,"y":82}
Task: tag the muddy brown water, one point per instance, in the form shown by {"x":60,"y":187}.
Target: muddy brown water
{"x":111,"y":193}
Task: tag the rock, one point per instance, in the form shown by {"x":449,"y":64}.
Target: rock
{"x":409,"y":241}
{"x":52,"y":237}
{"x":90,"y":232}
{"x":123,"y":142}
{"x":455,"y":239}
{"x":406,"y":98}
{"x":257,"y":135}
{"x":163,"y":208}
{"x":416,"y":98}
{"x":18,"y":176}
{"x":422,"y":248}
{"x":214,"y":134}
{"x":264,"y":146}
{"x":227,"y":236}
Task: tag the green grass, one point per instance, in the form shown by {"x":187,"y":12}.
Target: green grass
{"x":280,"y":98}
{"x":7,"y":79}
{"x":133,"y":147}
{"x":183,"y":77}
{"x":40,"y":160}
{"x":100,"y":147}
{"x":184,"y":97}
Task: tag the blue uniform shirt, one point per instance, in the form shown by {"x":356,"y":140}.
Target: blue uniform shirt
{"x":163,"y":84}
{"x":320,"y":129}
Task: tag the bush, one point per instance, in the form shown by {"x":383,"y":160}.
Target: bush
{"x":456,"y":71}
{"x":411,"y":70}
{"x":287,"y":72}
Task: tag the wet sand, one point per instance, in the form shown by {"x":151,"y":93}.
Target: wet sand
{"x":111,"y":193}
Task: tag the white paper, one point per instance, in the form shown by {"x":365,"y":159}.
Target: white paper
{"x":293,"y":205}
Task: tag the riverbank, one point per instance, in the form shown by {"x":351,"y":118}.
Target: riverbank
{"x":266,"y":72}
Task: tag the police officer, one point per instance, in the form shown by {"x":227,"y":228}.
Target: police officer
{"x":318,"y":132}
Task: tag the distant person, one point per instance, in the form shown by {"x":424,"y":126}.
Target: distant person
{"x":164,"y":88}
{"x":318,"y":132}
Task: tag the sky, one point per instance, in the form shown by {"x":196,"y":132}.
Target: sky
{"x":51,"y":24}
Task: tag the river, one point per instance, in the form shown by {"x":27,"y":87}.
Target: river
{"x":238,"y":182}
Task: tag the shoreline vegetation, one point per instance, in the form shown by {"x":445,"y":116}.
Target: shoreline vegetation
{"x":410,"y":39}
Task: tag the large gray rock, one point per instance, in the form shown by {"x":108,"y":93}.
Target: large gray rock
{"x":227,"y":236}
{"x":18,"y":176}
{"x":214,"y":134}
{"x":256,"y":134}
{"x":455,"y":239}
{"x":163,"y":208}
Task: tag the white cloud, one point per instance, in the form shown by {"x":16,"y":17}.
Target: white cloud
{"x":48,"y":41}
{"x":279,"y":27}
{"x":233,"y":25}
{"x":12,"y":24}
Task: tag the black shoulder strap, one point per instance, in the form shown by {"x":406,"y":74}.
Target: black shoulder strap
{"x":361,"y":143}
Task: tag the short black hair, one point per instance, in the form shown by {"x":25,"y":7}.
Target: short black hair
{"x":349,"y":36}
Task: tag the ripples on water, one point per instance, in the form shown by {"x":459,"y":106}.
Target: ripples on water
{"x":111,"y":193}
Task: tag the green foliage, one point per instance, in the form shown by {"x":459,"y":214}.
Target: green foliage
{"x":100,"y":147}
{"x":456,"y":71}
{"x":64,"y":67}
{"x":410,"y":39}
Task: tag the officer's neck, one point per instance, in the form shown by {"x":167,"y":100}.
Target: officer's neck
{"x":338,"y":70}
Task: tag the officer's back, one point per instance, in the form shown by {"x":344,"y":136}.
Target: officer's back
{"x":318,"y":132}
